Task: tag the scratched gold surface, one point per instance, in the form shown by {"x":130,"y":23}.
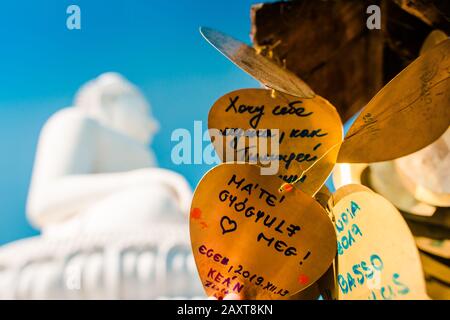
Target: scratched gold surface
{"x":409,"y":113}
{"x":414,"y":183}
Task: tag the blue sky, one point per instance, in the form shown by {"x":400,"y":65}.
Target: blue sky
{"x":155,"y":44}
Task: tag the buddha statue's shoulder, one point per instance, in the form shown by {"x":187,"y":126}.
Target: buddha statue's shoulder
{"x":70,"y":119}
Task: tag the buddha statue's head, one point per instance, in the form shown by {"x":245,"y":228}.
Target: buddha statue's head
{"x":117,"y":104}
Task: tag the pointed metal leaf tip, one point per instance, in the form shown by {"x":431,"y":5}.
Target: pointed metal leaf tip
{"x":207,"y":34}
{"x":202,"y":29}
{"x":258,"y":66}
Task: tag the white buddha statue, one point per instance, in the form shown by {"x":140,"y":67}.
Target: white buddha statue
{"x":113,"y":225}
{"x":94,"y":171}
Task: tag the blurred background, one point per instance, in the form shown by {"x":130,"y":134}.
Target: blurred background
{"x":155,"y":44}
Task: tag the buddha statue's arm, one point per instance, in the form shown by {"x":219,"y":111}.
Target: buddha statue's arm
{"x":69,"y":195}
{"x":63,"y":183}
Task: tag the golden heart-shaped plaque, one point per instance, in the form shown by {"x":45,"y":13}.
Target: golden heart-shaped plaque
{"x":251,"y":240}
{"x":304,"y":129}
{"x":377,"y":257}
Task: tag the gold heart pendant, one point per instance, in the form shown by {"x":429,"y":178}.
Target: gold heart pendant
{"x":249,"y":239}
